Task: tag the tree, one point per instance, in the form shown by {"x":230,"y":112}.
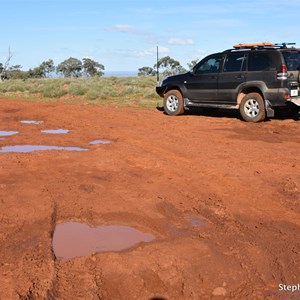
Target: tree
{"x":15,"y":72}
{"x":4,"y":67}
{"x":1,"y":69}
{"x":45,"y":68}
{"x":146,"y":71}
{"x":35,"y":73}
{"x":92,"y":68}
{"x":192,"y":64}
{"x":170,"y":66}
{"x":70,"y":67}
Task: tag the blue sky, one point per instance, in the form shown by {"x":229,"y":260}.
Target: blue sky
{"x":123,"y":35}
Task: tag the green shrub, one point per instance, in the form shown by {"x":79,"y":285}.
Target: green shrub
{"x":16,"y":88}
{"x":93,"y":93}
{"x":54,"y":91}
{"x":3,"y":88}
{"x":77,"y":89}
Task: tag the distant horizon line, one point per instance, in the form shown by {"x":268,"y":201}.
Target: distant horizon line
{"x":106,"y":74}
{"x":120,"y":73}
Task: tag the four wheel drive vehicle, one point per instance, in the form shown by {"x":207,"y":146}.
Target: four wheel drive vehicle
{"x":258,"y":79}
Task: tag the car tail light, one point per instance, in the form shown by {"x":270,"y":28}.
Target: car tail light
{"x":282,"y":74}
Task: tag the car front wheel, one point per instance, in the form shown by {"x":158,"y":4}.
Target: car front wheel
{"x":252,"y":108}
{"x":173,"y":103}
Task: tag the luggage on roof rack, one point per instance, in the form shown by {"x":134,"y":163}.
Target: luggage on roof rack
{"x":262,"y":45}
{"x":253,"y":45}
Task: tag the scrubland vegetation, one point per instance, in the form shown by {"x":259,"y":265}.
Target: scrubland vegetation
{"x":81,"y":81}
{"x":122,"y":91}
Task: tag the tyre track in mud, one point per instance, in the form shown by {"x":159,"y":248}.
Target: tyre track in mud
{"x":157,"y":174}
{"x":230,"y":229}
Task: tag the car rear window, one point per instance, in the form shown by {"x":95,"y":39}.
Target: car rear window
{"x":292,"y":60}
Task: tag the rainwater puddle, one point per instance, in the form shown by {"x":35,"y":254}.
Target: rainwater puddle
{"x":56,"y":131}
{"x":75,"y":239}
{"x":31,"y":148}
{"x":196,"y":221}
{"x":8,"y":133}
{"x":31,"y":122}
{"x":100,"y":142}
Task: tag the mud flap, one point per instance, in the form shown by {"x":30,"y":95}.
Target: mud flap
{"x":296,"y":101}
{"x":185,"y":103}
{"x":270,"y":112}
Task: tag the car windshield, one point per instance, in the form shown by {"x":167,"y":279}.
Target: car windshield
{"x":292,"y":60}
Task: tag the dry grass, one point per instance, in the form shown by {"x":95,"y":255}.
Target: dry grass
{"x":119,"y":91}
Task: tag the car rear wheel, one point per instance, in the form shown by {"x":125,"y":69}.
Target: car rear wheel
{"x":173,"y":103}
{"x":252,"y":108}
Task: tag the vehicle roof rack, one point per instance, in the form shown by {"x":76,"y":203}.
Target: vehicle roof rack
{"x":262,"y":45}
{"x":284,"y":45}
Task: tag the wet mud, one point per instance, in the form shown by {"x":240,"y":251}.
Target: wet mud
{"x":213,"y":204}
{"x":74,"y":239}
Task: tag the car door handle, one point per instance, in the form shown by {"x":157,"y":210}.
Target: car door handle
{"x":240,"y":77}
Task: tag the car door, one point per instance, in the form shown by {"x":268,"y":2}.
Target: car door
{"x":202,"y":84}
{"x":231,"y":77}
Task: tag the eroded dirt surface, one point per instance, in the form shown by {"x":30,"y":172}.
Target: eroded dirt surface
{"x":221,"y":196}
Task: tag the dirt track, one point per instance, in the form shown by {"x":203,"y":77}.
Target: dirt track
{"x":221,"y":196}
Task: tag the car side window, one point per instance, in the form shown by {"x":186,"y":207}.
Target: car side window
{"x":209,"y":65}
{"x":260,"y":61}
{"x":234,"y":62}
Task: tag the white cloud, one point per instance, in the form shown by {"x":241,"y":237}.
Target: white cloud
{"x":142,"y":53}
{"x":180,"y":42}
{"x":122,"y":28}
{"x":163,"y":49}
{"x":150,"y":52}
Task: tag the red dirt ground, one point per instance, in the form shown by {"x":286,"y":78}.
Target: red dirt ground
{"x":241,"y":179}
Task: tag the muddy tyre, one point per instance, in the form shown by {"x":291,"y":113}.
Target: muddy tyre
{"x":173,"y":103}
{"x":252,"y":108}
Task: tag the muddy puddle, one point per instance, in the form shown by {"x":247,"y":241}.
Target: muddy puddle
{"x":100,"y":142}
{"x":74,"y":239}
{"x":195,"y":221}
{"x":8,"y":133}
{"x":31,"y":148}
{"x":34,"y":122}
{"x":55,"y":131}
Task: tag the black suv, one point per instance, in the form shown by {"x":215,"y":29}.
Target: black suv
{"x":258,"y":79}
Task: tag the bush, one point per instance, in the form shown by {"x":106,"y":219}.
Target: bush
{"x":54,"y":91}
{"x":93,"y":93}
{"x":77,"y":89}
